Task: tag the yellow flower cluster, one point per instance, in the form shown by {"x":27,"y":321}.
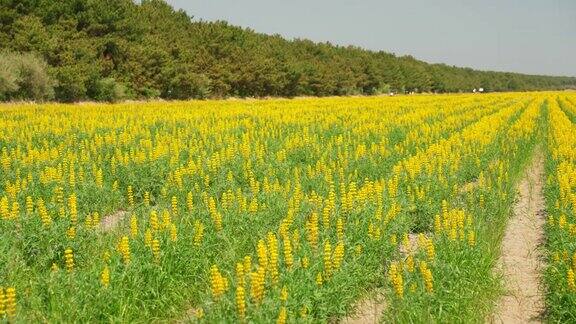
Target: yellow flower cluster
{"x":219,"y":283}
{"x":562,"y":216}
{"x":287,"y":194}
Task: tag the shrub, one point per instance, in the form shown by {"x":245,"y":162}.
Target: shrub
{"x":24,"y":76}
{"x":108,"y":89}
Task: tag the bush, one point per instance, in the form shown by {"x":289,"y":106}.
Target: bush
{"x":108,"y":89}
{"x":24,"y":77}
{"x":182,"y":83}
{"x":8,"y":78}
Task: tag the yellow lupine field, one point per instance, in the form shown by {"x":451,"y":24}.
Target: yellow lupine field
{"x":279,"y":210}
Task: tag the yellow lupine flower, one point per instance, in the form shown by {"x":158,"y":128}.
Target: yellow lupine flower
{"x":133,"y":226}
{"x":240,"y":302}
{"x":2,"y":303}
{"x":10,"y":302}
{"x":105,"y":276}
{"x":282,"y":316}
{"x":327,"y":259}
{"x":69,"y":259}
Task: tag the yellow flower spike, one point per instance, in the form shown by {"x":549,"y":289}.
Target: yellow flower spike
{"x":327,"y":259}
{"x":396,"y":279}
{"x":88,"y":222}
{"x":253,"y":207}
{"x":247,"y":263}
{"x":319,"y":280}
{"x":338,"y":256}
{"x":257,"y":284}
{"x":444,"y":208}
{"x":288,"y":258}
{"x":217,"y":218}
{"x":71,"y":232}
{"x":10,"y":302}
{"x":471,"y":238}
{"x":282,"y":316}
{"x":358,"y":249}
{"x":130,"y":195}
{"x":174,"y":205}
{"x":4,"y":209}
{"x":562,"y":221}
{"x":154,"y":221}
{"x":262,"y":255}
{"x":29,"y":205}
{"x":410,"y":263}
{"x":340,"y":228}
{"x":312,"y":229}
{"x":173,"y":233}
{"x":437,"y":224}
{"x":198,"y":232}
{"x":2,"y":303}
{"x":72,"y":178}
{"x":305,"y":262}
{"x":99,"y":178}
{"x":273,"y":261}
{"x":428,"y":281}
{"x":105,"y":276}
{"x":216,"y":281}
{"x":241,"y":302}
{"x":326,"y":217}
{"x":156,"y":250}
{"x":190,"y":201}
{"x":124,"y":248}
{"x":72,"y":204}
{"x":133,"y":226}
{"x":95,"y":219}
{"x":284,"y":294}
{"x":146,"y":198}
{"x":166,"y":219}
{"x":148,"y":238}
{"x":69,"y":259}
{"x":393,"y":240}
{"x":570,"y":279}
{"x":304,"y":312}
{"x":15,"y":212}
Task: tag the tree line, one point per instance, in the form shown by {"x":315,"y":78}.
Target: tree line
{"x":106,"y":50}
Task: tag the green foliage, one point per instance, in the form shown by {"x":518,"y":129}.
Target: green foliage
{"x":24,"y":76}
{"x":108,"y":89}
{"x":154,"y":51}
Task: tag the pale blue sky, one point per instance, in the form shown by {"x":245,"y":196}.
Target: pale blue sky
{"x":529,"y":36}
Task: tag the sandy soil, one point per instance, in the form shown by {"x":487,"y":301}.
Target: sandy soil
{"x":368,"y":311}
{"x":521,"y":260}
{"x":110,"y":222}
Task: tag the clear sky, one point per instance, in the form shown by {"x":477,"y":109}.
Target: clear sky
{"x":528,"y":36}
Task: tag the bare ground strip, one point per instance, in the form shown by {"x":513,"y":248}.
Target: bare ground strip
{"x":521,"y":260}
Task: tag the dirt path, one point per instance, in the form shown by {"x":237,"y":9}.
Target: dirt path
{"x":368,"y":311}
{"x":110,"y":222}
{"x":521,"y":261}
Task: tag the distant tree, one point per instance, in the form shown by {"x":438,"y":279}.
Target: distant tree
{"x":115,"y":49}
